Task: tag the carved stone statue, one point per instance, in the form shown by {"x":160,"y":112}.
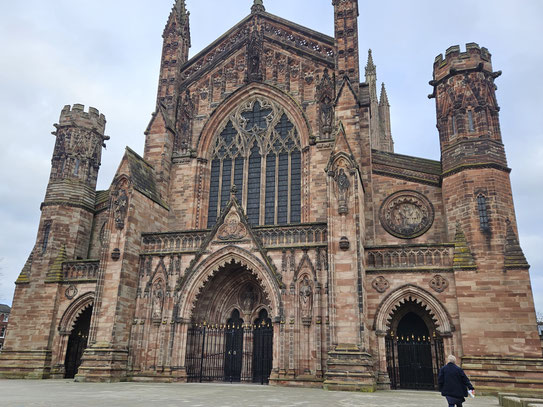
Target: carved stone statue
{"x":120,"y":208}
{"x":158,"y":300}
{"x":343,"y":186}
{"x":306,"y":298}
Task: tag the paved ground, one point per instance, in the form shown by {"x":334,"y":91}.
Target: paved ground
{"x":64,"y":393}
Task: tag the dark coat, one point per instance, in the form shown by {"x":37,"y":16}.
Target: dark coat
{"x":453,"y":381}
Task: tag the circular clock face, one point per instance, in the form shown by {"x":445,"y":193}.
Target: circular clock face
{"x":407,"y":214}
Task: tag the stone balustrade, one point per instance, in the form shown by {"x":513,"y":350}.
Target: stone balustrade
{"x":81,"y":270}
{"x":410,"y":256}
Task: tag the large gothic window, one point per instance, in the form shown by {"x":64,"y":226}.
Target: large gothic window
{"x":258,"y":151}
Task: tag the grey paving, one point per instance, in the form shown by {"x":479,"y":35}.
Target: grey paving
{"x":64,"y":393}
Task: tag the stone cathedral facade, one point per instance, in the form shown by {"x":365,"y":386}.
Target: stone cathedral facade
{"x":271,"y":234}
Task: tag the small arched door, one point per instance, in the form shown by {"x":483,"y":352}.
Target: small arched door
{"x":234,"y":348}
{"x":262,"y":348}
{"x":77,"y":343}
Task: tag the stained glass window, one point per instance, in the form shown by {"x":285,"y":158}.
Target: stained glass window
{"x":258,"y":151}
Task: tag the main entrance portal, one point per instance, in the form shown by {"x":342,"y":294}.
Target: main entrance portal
{"x":237,"y":345}
{"x":414,"y":350}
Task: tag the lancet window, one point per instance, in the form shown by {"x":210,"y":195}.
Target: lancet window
{"x":258,"y":151}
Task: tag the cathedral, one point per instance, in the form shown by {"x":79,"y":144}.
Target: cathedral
{"x":270,"y":234}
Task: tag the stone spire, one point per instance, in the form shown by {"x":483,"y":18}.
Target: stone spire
{"x":385,"y":143}
{"x":371,"y":77}
{"x":370,"y":66}
{"x":383,"y":100}
{"x":258,"y":6}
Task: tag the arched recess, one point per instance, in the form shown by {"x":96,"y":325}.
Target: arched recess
{"x":221,"y":113}
{"x":397,"y":298}
{"x":207,"y":269}
{"x":73,"y":311}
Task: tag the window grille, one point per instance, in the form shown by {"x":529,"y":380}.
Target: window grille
{"x":470,"y":122}
{"x":259,"y":152}
{"x":483,"y":212}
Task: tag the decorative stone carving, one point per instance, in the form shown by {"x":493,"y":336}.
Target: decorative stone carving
{"x":380,"y":284}
{"x":325,"y":98}
{"x":71,"y":292}
{"x":407,"y":214}
{"x":232,"y":228}
{"x":120,"y":207}
{"x":306,"y":298}
{"x":343,"y":185}
{"x":116,"y":254}
{"x":344,"y":243}
{"x":439,"y":283}
{"x":254,"y":52}
{"x":248,"y":299}
{"x":185,"y":115}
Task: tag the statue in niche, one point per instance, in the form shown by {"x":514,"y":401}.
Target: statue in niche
{"x":185,"y":114}
{"x":254,"y":51}
{"x":248,"y":299}
{"x":325,"y":96}
{"x":343,"y":186}
{"x":120,"y":208}
{"x":158,"y":300}
{"x":306,"y":298}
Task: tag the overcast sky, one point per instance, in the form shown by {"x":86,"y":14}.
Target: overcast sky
{"x":106,"y":54}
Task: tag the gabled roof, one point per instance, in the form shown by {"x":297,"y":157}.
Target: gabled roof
{"x":302,"y":39}
{"x":406,"y":167}
{"x":143,"y":177}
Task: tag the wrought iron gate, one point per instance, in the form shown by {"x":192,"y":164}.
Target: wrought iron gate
{"x":414,"y":362}
{"x":229,"y":353}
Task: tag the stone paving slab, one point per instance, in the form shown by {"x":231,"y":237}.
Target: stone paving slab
{"x":65,"y":393}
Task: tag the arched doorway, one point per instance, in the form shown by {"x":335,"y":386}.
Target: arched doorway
{"x":414,"y":348}
{"x":77,"y":342}
{"x":231,"y":336}
{"x":262,"y":348}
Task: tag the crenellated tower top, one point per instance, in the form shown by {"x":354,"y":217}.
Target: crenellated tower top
{"x":455,"y":61}
{"x":466,"y":108}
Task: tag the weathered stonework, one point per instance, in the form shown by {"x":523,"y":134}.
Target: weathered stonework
{"x":269,"y":201}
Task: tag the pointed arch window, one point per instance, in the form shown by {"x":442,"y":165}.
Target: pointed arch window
{"x":258,"y":151}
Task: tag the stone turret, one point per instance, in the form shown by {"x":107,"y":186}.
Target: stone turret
{"x":76,"y":157}
{"x":346,"y":35}
{"x":175,"y":52}
{"x":467,"y":110}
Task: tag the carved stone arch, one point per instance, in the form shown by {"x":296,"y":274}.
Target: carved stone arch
{"x":192,"y":285}
{"x":409,"y":292}
{"x":252,"y":90}
{"x":159,"y":273}
{"x":305,"y":262}
{"x":74,"y":310}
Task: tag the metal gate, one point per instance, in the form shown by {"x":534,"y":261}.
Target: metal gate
{"x":229,"y":353}
{"x":414,"y":362}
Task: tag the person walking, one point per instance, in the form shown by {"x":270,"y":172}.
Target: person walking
{"x":453,"y":383}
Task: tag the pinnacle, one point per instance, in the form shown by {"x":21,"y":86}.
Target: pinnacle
{"x":181,"y":7}
{"x":383,"y":100}
{"x":258,"y":6}
{"x":370,"y":66}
